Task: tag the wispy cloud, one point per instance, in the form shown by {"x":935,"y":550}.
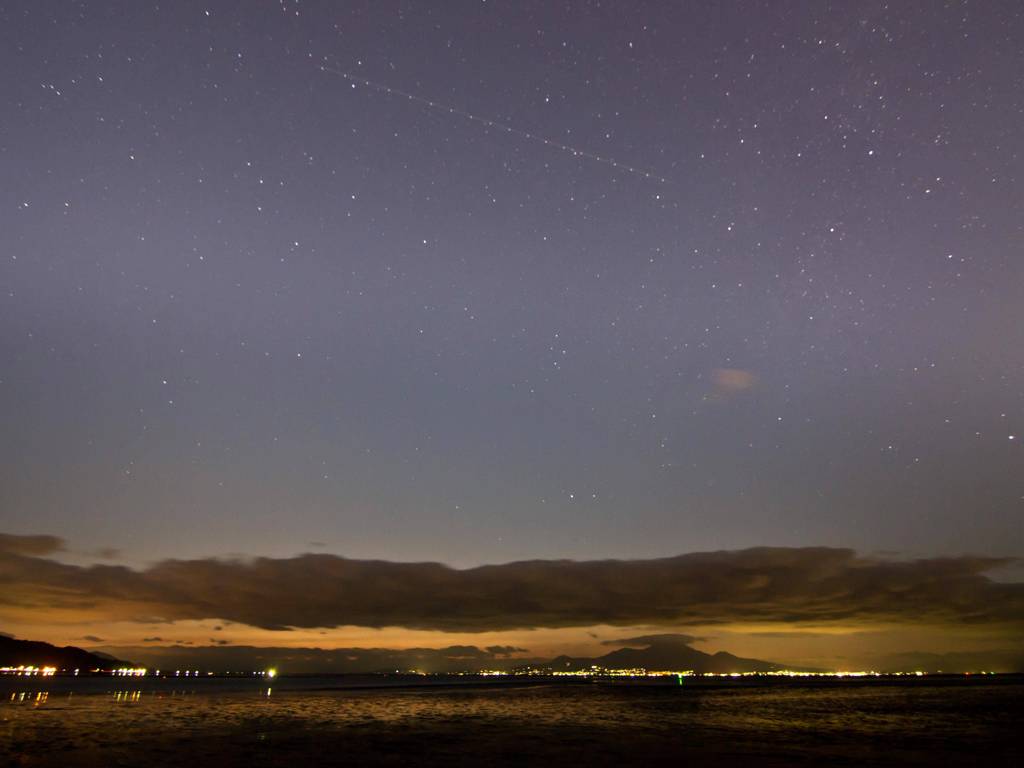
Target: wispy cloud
{"x":29,"y":545}
{"x":730,"y":381}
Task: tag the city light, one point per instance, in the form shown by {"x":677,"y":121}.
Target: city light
{"x":129,"y":672}
{"x":29,"y":671}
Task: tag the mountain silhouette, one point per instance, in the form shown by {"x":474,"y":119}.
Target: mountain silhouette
{"x":664,"y":652}
{"x":18,"y":653}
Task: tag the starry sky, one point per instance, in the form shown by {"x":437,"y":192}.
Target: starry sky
{"x":483,"y":282}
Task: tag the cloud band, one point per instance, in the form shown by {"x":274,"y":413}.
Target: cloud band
{"x":803,"y":585}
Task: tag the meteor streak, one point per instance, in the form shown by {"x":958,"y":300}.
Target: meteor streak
{"x":438,"y":106}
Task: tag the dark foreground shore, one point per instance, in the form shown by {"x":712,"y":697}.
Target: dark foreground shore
{"x":951,"y":723}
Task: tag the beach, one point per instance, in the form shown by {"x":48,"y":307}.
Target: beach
{"x":227,"y":723}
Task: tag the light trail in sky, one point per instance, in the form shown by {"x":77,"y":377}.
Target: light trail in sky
{"x":445,"y":108}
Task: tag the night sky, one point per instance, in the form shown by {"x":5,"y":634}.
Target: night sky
{"x":482,"y":282}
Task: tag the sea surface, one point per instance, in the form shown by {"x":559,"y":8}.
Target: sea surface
{"x":370,"y":721}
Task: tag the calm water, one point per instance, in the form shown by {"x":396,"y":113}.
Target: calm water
{"x":314,"y":722}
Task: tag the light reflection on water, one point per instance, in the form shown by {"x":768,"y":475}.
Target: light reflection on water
{"x":851,"y":723}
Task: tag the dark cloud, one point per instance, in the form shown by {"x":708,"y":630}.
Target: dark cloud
{"x":29,"y":545}
{"x":152,"y":639}
{"x":92,"y":638}
{"x":801,"y":585}
{"x":647,"y":640}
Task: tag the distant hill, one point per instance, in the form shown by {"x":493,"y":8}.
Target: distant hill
{"x":1005,"y":660}
{"x":655,"y":653}
{"x":665,"y":654}
{"x":17,"y":653}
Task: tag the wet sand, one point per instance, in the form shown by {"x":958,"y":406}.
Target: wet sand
{"x":521,"y":725}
